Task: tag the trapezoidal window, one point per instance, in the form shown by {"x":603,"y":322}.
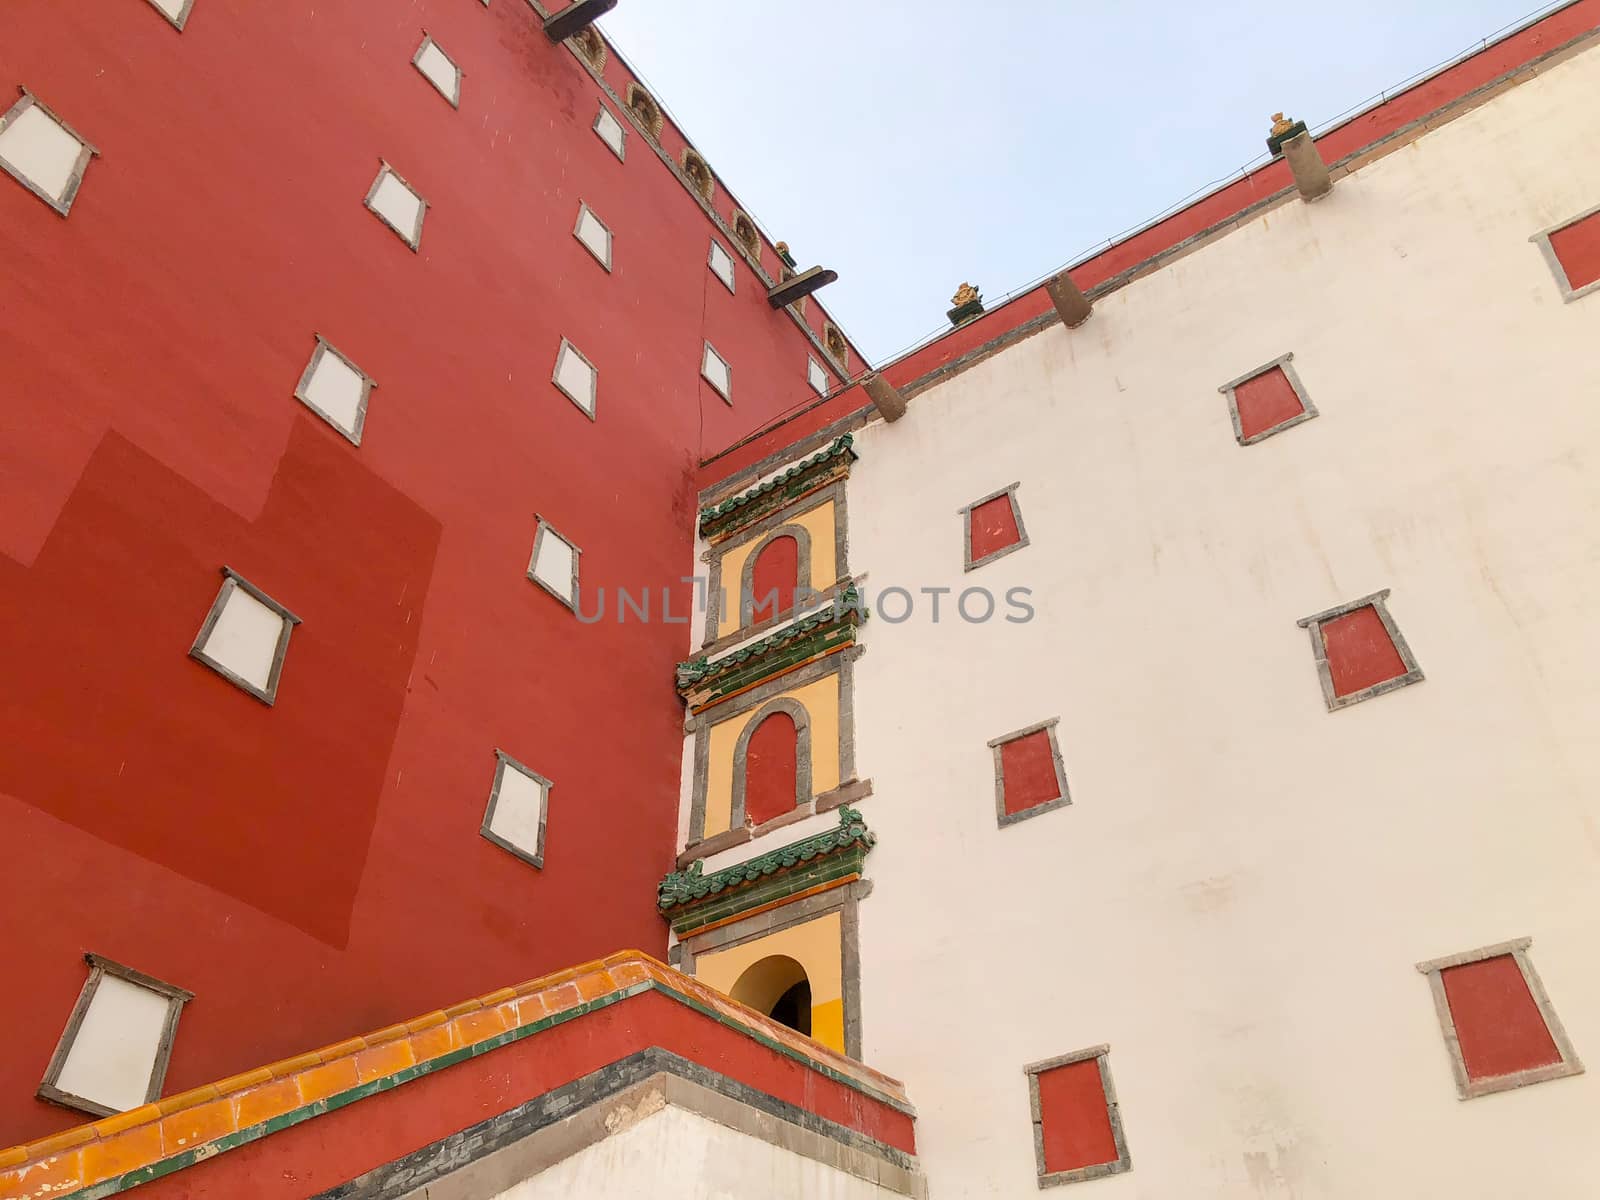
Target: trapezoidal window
{"x":42,"y":153}
{"x":175,"y":11}
{"x":397,"y":204}
{"x":714,"y":369}
{"x":610,"y":131}
{"x":1029,"y":778}
{"x":113,"y":1054}
{"x":1499,"y":1026}
{"x":554,"y":564}
{"x":777,"y":987}
{"x":1266,"y":401}
{"x":336,"y":390}
{"x":577,"y":378}
{"x":1077,"y":1127}
{"x":518,"y":809}
{"x":992,"y":527}
{"x":1359,"y":651}
{"x":721,"y":263}
{"x":439,"y":69}
{"x":1572,"y":250}
{"x":245,"y":637}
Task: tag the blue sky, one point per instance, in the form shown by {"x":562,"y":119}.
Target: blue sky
{"x":914,"y":144}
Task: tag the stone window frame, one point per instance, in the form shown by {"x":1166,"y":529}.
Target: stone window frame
{"x":769,"y":524}
{"x":1286,"y":363}
{"x":621,"y":148}
{"x":1315,"y":622}
{"x":699,"y":727}
{"x":733,"y":264}
{"x":414,"y":239}
{"x":996,"y":745}
{"x":1542,"y":240}
{"x":502,"y":761}
{"x":233,"y":580}
{"x":86,"y":153}
{"x":741,"y":754}
{"x":178,"y":21}
{"x":583,"y":207}
{"x":965,"y":512}
{"x":1123,"y":1162}
{"x":99,"y":968}
{"x":302,"y":389}
{"x":555,"y":378}
{"x":844,"y":900}
{"x":727,"y":395}
{"x":829,"y":328}
{"x":1467,"y":1088}
{"x":540,"y":530}
{"x":827,"y":381}
{"x":416,"y":61}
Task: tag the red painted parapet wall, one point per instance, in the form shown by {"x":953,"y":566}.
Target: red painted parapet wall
{"x":310,"y":1123}
{"x":305,"y":869}
{"x":1360,"y":133}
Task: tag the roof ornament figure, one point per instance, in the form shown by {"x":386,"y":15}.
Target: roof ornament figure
{"x":968,"y":303}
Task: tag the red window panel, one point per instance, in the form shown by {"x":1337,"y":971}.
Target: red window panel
{"x":1360,"y":652}
{"x":1577,"y":248}
{"x":993,"y":527}
{"x":1265,"y":402}
{"x":1074,"y":1118}
{"x":1028,"y":772}
{"x":771,"y":762}
{"x":1498,"y":1023}
{"x":774,"y":579}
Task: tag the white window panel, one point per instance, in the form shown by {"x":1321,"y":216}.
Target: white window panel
{"x":576,"y":376}
{"x":518,"y":806}
{"x":611,"y":131}
{"x":336,"y":390}
{"x":398,"y":206}
{"x":717,"y":373}
{"x":554,"y":564}
{"x":816,"y":376}
{"x":438,"y":69}
{"x":42,"y":153}
{"x":176,"y":11}
{"x":721,"y":264}
{"x":245,"y":637}
{"x":113,"y":1054}
{"x":594,"y":235}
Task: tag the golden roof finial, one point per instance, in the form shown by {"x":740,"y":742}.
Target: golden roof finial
{"x":1281,"y":124}
{"x":965,"y":294}
{"x":782,"y":247}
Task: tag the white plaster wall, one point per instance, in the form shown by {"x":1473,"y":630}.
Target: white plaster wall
{"x":1237,"y":896}
{"x":678,"y":1155}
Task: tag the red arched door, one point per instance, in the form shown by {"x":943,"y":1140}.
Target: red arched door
{"x":774,"y":579}
{"x":770,"y":764}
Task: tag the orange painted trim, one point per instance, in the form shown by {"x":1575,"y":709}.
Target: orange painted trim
{"x":761,"y":908}
{"x":93,"y":1153}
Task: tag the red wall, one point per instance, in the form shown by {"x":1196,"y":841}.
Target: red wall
{"x":314,"y":869}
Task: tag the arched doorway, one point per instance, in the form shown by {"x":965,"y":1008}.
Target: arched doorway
{"x":777,"y":986}
{"x":772,"y":757}
{"x":773,"y":579}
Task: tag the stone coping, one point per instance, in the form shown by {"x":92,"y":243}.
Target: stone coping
{"x":109,"y":1156}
